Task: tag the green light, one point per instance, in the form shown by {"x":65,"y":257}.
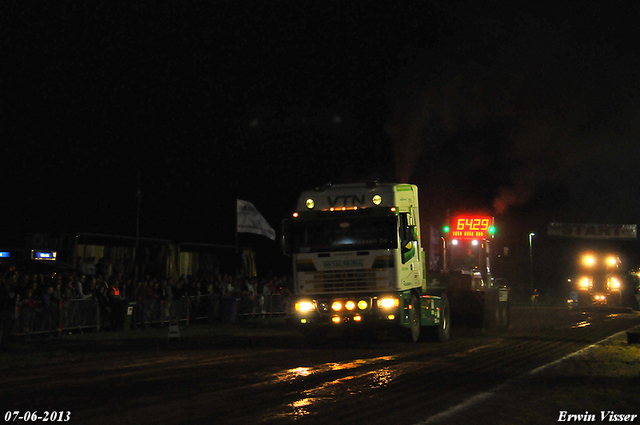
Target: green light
{"x":492,"y":230}
{"x":446,"y":229}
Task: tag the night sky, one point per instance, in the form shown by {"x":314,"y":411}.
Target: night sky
{"x":529,"y":112}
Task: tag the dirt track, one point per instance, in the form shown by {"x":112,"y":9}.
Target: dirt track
{"x":266,"y":376}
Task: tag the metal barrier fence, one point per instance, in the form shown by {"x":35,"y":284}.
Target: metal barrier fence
{"x":205,"y":307}
{"x":76,"y":315}
{"x":67,"y":316}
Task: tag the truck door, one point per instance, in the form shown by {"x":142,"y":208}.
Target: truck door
{"x":409,"y":252}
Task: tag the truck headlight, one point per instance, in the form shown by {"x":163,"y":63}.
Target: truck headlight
{"x":388,"y":302}
{"x":305,"y":306}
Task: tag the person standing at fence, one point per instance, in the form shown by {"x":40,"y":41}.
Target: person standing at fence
{"x":8,"y":300}
{"x":267,"y":292}
{"x":68,"y":292}
{"x":79,"y":288}
{"x":35,"y":285}
{"x":246,"y":297}
{"x":119,"y":268}
{"x":103,"y":304}
{"x":91,"y":266}
{"x":27,"y":311}
{"x":56,"y":295}
{"x":47,"y":309}
{"x":90,"y":285}
{"x":166,"y":298}
{"x":129,"y":290}
{"x":117,"y":303}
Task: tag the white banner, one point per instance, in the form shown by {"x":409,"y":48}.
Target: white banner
{"x":251,"y":221}
{"x":593,"y":231}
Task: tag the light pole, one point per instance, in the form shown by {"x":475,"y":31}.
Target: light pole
{"x":531,"y":235}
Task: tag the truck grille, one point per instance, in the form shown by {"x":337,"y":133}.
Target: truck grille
{"x":353,"y":280}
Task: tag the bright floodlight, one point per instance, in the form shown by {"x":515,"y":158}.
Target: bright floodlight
{"x":585,"y":282}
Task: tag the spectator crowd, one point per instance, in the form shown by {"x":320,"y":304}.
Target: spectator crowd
{"x":111,"y":286}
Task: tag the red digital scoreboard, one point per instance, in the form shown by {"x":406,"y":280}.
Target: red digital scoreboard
{"x":472,"y":227}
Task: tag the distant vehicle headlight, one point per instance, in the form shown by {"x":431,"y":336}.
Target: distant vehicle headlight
{"x":585,"y":282}
{"x":614,"y":283}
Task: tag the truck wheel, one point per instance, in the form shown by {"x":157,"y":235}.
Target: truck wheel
{"x":442,"y":332}
{"x":414,"y":319}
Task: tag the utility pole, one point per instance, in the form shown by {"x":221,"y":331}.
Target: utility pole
{"x":138,"y":211}
{"x":531,"y":235}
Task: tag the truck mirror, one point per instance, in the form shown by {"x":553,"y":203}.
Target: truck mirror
{"x":412,"y":233}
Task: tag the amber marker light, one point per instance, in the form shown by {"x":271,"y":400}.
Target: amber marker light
{"x":336,"y":306}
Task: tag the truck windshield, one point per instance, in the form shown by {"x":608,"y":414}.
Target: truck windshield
{"x":345,"y":234}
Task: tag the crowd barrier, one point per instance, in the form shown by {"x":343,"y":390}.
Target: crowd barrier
{"x":205,"y":307}
{"x":67,"y":316}
{"x":74,"y":315}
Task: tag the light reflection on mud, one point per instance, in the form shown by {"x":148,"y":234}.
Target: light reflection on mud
{"x":382,"y":377}
{"x":299,"y":407}
{"x":301,"y":372}
{"x":330,"y":390}
{"x":581,"y":325}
